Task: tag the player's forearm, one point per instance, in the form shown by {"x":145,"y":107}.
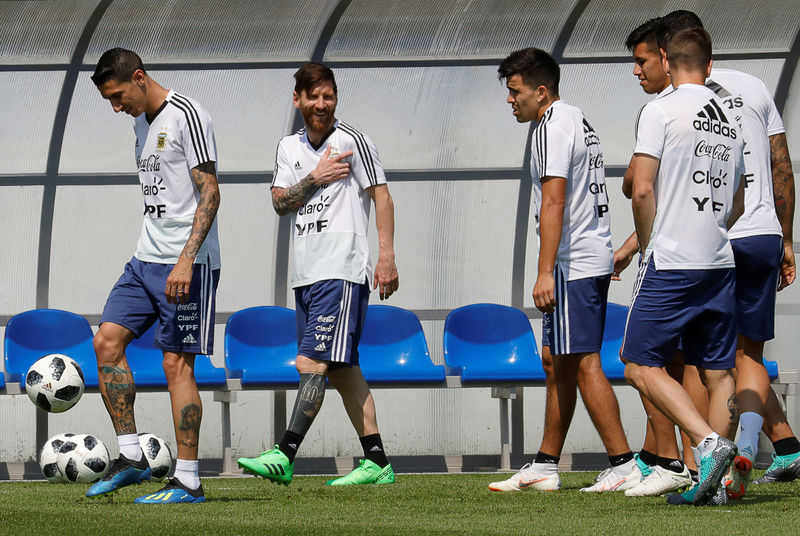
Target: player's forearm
{"x":644,"y":214}
{"x":289,"y":200}
{"x":627,"y":180}
{"x":384,"y":222}
{"x":782,"y":184}
{"x":738,"y":205}
{"x":205,"y":179}
{"x":630,"y":246}
{"x":551,"y":219}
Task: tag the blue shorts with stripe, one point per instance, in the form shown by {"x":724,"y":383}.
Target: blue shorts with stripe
{"x":758,"y":262}
{"x":138,"y":300}
{"x":576,"y":325}
{"x":330,"y":319}
{"x":694,"y":307}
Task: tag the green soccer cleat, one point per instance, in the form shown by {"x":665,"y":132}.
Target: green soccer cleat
{"x":273,"y":465}
{"x":783,"y":469}
{"x":367,"y":472}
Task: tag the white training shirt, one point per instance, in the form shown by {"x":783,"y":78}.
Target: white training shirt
{"x":565,"y":145}
{"x":330,"y":230}
{"x":751,"y":105}
{"x":180,"y":137}
{"x":700,"y":151}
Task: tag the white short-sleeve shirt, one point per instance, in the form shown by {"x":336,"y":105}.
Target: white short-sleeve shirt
{"x":330,"y":230}
{"x":565,"y":145}
{"x":700,"y":151}
{"x":178,"y":138}
{"x":748,"y":100}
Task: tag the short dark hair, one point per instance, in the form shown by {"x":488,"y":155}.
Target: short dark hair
{"x":537,"y":68}
{"x":674,"y":22}
{"x":644,"y":33}
{"x":689,"y":49}
{"x":117,"y":64}
{"x":311,"y":75}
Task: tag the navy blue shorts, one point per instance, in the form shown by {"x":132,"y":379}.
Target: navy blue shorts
{"x":758,"y":262}
{"x":330,"y":319}
{"x":138,"y":300}
{"x":576,"y":325}
{"x":697,"y":307}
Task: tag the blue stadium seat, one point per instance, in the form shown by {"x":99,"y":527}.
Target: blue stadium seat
{"x":146,"y":364}
{"x":2,"y":381}
{"x":261,"y":346}
{"x":488,"y":343}
{"x":772,"y":369}
{"x":613,"y":367}
{"x":393,"y":348}
{"x":36,"y":333}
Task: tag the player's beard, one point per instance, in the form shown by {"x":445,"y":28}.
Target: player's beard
{"x":318,"y":123}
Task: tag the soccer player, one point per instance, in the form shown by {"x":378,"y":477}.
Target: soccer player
{"x":575,"y":261}
{"x":325,"y":176}
{"x":762,"y":248}
{"x":172,"y":277}
{"x":659,"y":459}
{"x":684,"y":200}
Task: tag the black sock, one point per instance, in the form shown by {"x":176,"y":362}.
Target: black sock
{"x":620,"y":459}
{"x":289,"y":444}
{"x":373,"y":449}
{"x":671,"y":464}
{"x":541,"y":457}
{"x":790,"y":445}
{"x":694,"y":473}
{"x":648,"y":457}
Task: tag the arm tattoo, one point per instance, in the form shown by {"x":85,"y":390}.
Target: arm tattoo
{"x":189,"y":425}
{"x":782,"y":182}
{"x":288,"y":200}
{"x":204,"y":177}
{"x":119,"y":395}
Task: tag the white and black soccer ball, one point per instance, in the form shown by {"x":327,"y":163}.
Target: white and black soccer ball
{"x":48,"y":458}
{"x":157,"y":453}
{"x":83,"y":458}
{"x":54,"y":383}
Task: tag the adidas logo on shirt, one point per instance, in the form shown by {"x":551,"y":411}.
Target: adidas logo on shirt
{"x":189,"y":339}
{"x":713,"y":120}
{"x":320,"y":347}
{"x":297,"y":165}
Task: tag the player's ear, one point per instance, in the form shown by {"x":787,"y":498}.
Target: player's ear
{"x":295,"y":99}
{"x":137,"y":78}
{"x":708,"y":69}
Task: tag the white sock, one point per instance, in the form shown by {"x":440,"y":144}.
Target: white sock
{"x":546,"y":468}
{"x":625,"y":468}
{"x":749,"y":428}
{"x":129,"y":446}
{"x":188,"y":473}
{"x":708,"y":444}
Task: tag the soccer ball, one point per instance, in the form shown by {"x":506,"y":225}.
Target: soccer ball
{"x":54,"y":383}
{"x":83,"y":458}
{"x":48,"y":458}
{"x":157,"y":453}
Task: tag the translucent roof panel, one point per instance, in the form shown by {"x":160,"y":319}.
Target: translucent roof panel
{"x":29,"y":108}
{"x":445,"y":29}
{"x":604,"y":26}
{"x":610,"y":103}
{"x":172,"y":31}
{"x":433,"y":117}
{"x":769,"y":71}
{"x":791,"y":119}
{"x":20,"y":209}
{"x":251,"y":110}
{"x":42,"y":31}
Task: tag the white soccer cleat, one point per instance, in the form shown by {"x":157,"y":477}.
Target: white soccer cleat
{"x":659,"y":482}
{"x":614,"y":481}
{"x":529,"y":478}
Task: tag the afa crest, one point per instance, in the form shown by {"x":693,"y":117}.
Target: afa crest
{"x":161,"y":144}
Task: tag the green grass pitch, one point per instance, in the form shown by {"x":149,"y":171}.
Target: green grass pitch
{"x":416,"y":504}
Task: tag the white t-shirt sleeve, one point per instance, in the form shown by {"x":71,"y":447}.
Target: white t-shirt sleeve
{"x":197,"y":137}
{"x":651,"y":132}
{"x":555,"y":152}
{"x":366,"y":166}
{"x":282,"y":176}
{"x":774,"y":121}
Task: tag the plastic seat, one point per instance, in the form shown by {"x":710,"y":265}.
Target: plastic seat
{"x":145,"y":362}
{"x":393,"y":348}
{"x":616,"y":317}
{"x":2,"y":381}
{"x":36,"y":333}
{"x":488,"y":343}
{"x":261,"y":346}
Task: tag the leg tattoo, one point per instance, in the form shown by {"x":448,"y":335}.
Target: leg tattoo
{"x":119,"y":395}
{"x":189,"y":425}
{"x":310,"y":395}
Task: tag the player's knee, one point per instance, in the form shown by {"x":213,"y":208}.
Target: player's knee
{"x":109,"y":350}
{"x":633,"y":375}
{"x":177,"y":369}
{"x":305,"y":365}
